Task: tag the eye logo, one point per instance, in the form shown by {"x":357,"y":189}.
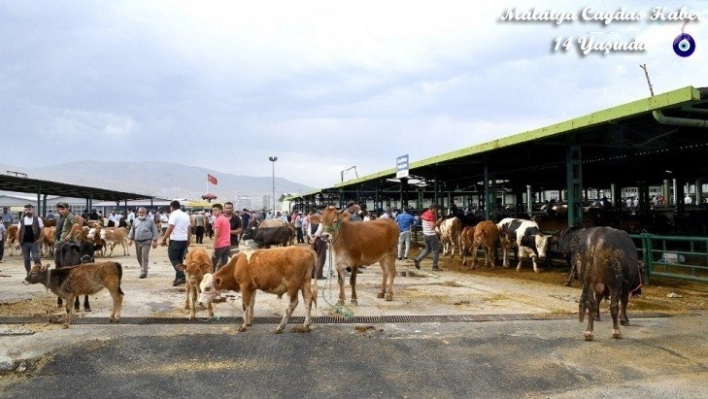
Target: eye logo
{"x":684,"y":45}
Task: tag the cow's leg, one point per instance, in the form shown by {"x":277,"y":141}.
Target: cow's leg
{"x":535,"y":264}
{"x":505,"y":256}
{"x":588,"y":303}
{"x":59,"y":302}
{"x":340,"y":280}
{"x":308,"y":297}
{"x":352,"y":282}
{"x":475,"y":248}
{"x":248,"y":297}
{"x":624,"y":300}
{"x":87,"y":306}
{"x":519,"y":255}
{"x":117,"y":302}
{"x":288,"y":310}
{"x":614,"y":311}
{"x":69,"y":310}
{"x":192,"y":295}
{"x":571,"y":273}
{"x":186,"y":292}
{"x":77,"y":303}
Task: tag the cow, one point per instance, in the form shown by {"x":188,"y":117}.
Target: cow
{"x":449,"y":230}
{"x":484,"y":234}
{"x":47,"y":244}
{"x":196,"y":265}
{"x":276,"y":271}
{"x":116,"y":236}
{"x":607,"y":260}
{"x":12,"y":238}
{"x":526,"y":236}
{"x":69,"y":254}
{"x":88,"y":279}
{"x":568,"y":245}
{"x":355,"y":244}
{"x":94,"y":234}
{"x":267,"y":236}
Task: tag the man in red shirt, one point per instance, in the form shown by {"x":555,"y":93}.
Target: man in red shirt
{"x":432,"y":242}
{"x":222,"y":237}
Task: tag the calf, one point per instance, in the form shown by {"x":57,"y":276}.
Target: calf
{"x":267,"y":236}
{"x":486,"y":235}
{"x":196,"y":265}
{"x":276,"y":271}
{"x":11,"y":240}
{"x":89,"y":279}
{"x":71,"y":254}
{"x":47,"y":244}
{"x":449,"y":231}
{"x":526,"y":236}
{"x":113,"y":237}
{"x":607,"y":260}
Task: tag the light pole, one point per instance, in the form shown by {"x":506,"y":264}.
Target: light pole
{"x":273,"y":159}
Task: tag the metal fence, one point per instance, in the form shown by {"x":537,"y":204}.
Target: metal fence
{"x":677,"y":257}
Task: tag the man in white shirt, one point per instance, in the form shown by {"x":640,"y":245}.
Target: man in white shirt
{"x":179,"y":230}
{"x":29,"y":236}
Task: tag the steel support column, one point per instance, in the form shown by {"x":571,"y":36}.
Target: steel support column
{"x":574,"y":184}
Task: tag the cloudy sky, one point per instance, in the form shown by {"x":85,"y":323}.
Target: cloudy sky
{"x":323,"y":85}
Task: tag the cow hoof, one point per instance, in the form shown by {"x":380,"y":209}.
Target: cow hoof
{"x":87,"y":309}
{"x":588,"y":335}
{"x":241,"y":329}
{"x":354,"y":302}
{"x":65,"y":326}
{"x":278,"y":331}
{"x":303,"y":329}
{"x":624,"y":322}
{"x":380,"y":295}
{"x":616,"y":334}
{"x":389,"y":298}
{"x":535,"y":270}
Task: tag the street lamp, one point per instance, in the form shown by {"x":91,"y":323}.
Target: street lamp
{"x":273,"y":159}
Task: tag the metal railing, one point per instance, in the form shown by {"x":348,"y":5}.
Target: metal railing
{"x":678,"y":257}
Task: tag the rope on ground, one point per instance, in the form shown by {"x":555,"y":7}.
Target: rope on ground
{"x":345,"y":311}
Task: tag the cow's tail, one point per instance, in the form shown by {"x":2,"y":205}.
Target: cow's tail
{"x":313,"y":275}
{"x":119,"y":272}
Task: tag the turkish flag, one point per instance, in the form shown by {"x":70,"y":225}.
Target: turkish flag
{"x":211,"y":179}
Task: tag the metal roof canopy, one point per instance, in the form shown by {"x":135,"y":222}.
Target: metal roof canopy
{"x":622,"y":145}
{"x":46,"y":187}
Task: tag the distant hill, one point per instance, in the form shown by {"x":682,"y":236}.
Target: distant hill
{"x":161,"y":179}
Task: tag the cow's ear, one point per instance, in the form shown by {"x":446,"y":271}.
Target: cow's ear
{"x":217,"y":282}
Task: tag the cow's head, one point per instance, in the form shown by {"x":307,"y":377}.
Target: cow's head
{"x":542,"y":242}
{"x":195,"y":269}
{"x":38,"y":274}
{"x":331,"y":221}
{"x":91,"y":233}
{"x":250,"y":232}
{"x":208,"y":288}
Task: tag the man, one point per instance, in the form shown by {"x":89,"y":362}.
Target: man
{"x":29,"y":236}
{"x":164,"y":221}
{"x":93,"y":215}
{"x":144,"y":232}
{"x":299,"y":219}
{"x":199,"y":224}
{"x":318,"y":245}
{"x":235,"y":225}
{"x":405,"y":221}
{"x":222,"y":238}
{"x":354,"y":212}
{"x":432,"y":242}
{"x":6,"y":217}
{"x":179,"y":230}
{"x":245,"y":218}
{"x":387,"y":214}
{"x":3,"y":237}
{"x":65,"y":223}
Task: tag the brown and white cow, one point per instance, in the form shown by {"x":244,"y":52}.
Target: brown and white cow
{"x":449,"y":230}
{"x":116,"y":236}
{"x":47,"y":245}
{"x":196,"y":264}
{"x":11,"y":240}
{"x":354,"y":244}
{"x":484,"y":234}
{"x":607,"y":261}
{"x":276,"y":271}
{"x":524,"y":235}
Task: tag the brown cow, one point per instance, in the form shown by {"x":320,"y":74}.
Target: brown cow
{"x":47,"y":245}
{"x":607,"y":260}
{"x":88,"y":279}
{"x":196,"y":265}
{"x":276,"y":271}
{"x":486,"y":235}
{"x":11,"y":240}
{"x":355,"y":243}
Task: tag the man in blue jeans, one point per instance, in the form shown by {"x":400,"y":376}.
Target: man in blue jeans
{"x":30,"y":234}
{"x":405,"y":221}
{"x":179,"y":230}
{"x":432,"y":243}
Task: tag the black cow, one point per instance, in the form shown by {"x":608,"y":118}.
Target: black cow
{"x":568,"y":245}
{"x":267,"y":236}
{"x":606,"y":260}
{"x":72,"y":254}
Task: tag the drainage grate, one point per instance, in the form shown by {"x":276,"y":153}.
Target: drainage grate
{"x":320,"y":319}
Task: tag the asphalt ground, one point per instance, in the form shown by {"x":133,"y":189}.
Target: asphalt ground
{"x":522,"y":340}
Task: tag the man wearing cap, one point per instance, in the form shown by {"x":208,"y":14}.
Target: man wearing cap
{"x":29,"y":236}
{"x":65,"y":223}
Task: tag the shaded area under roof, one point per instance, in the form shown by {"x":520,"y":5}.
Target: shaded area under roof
{"x":26,"y":185}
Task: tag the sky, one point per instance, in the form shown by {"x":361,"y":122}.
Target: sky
{"x":323,"y":85}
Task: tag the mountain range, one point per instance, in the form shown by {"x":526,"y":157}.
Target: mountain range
{"x":160,"y":179}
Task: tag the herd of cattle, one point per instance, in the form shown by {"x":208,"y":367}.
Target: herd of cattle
{"x":604,"y":258}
